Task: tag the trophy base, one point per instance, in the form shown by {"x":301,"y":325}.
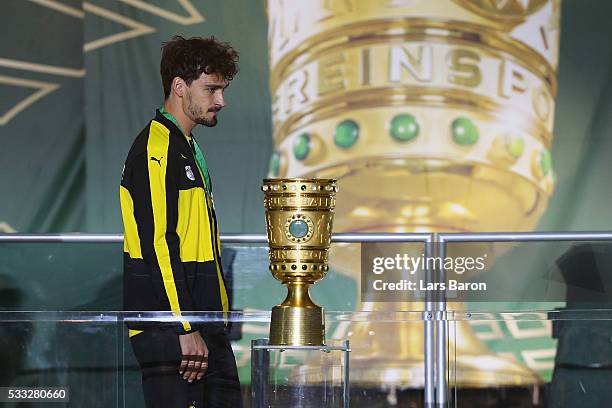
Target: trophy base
{"x":297,"y":326}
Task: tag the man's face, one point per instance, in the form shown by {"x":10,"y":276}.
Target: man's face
{"x":204,"y":98}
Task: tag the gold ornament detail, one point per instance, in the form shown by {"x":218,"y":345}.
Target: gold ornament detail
{"x":505,"y":11}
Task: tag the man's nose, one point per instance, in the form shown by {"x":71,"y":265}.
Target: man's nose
{"x":219,"y":99}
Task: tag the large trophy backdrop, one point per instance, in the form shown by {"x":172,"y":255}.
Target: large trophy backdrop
{"x":434,"y":115}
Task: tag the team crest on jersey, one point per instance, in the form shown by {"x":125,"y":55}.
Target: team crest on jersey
{"x":189,"y":173}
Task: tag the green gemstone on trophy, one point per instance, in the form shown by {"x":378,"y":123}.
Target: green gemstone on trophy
{"x":464,"y":131}
{"x":515,"y":145}
{"x":275,"y":164}
{"x":545,"y":162}
{"x":298,"y":228}
{"x":346,"y":134}
{"x":404,"y":127}
{"x":301,"y":148}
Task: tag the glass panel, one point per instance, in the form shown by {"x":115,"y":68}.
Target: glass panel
{"x":83,"y":352}
{"x":369,"y":383}
{"x":77,"y":351}
{"x":542,"y":325}
{"x":558,"y":358}
{"x":300,"y":376}
{"x":61,"y":276}
{"x":543,"y":319}
{"x":387,"y":345}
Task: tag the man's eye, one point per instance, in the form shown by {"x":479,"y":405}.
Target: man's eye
{"x":211,"y":90}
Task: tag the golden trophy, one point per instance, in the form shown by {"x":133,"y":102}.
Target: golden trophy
{"x":434,"y":116}
{"x":299,"y":217}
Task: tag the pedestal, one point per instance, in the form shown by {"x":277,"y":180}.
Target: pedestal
{"x":279,"y":377}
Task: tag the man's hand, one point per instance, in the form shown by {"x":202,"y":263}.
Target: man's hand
{"x":195,"y":356}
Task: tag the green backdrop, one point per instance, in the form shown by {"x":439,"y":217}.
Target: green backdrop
{"x":79,"y":80}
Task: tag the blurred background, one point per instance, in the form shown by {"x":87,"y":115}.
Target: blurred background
{"x":435,"y":116}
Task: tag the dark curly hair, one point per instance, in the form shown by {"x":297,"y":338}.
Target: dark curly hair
{"x":189,"y":58}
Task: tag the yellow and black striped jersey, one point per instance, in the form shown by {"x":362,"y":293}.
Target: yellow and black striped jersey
{"x":172,"y":251}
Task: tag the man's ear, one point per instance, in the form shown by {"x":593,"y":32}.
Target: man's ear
{"x":179,"y":86}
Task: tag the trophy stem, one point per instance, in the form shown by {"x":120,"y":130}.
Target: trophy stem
{"x":298,"y":321}
{"x":298,"y":295}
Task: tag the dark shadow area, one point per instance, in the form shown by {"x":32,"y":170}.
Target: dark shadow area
{"x":583,"y":364}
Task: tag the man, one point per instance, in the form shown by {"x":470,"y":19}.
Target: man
{"x":171,"y":250}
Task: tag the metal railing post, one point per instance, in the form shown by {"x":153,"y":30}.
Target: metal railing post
{"x":429,"y":350}
{"x":441,"y":332}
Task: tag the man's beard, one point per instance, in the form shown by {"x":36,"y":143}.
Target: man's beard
{"x":197,"y":116}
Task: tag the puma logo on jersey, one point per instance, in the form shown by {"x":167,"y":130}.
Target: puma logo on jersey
{"x":157,"y":160}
